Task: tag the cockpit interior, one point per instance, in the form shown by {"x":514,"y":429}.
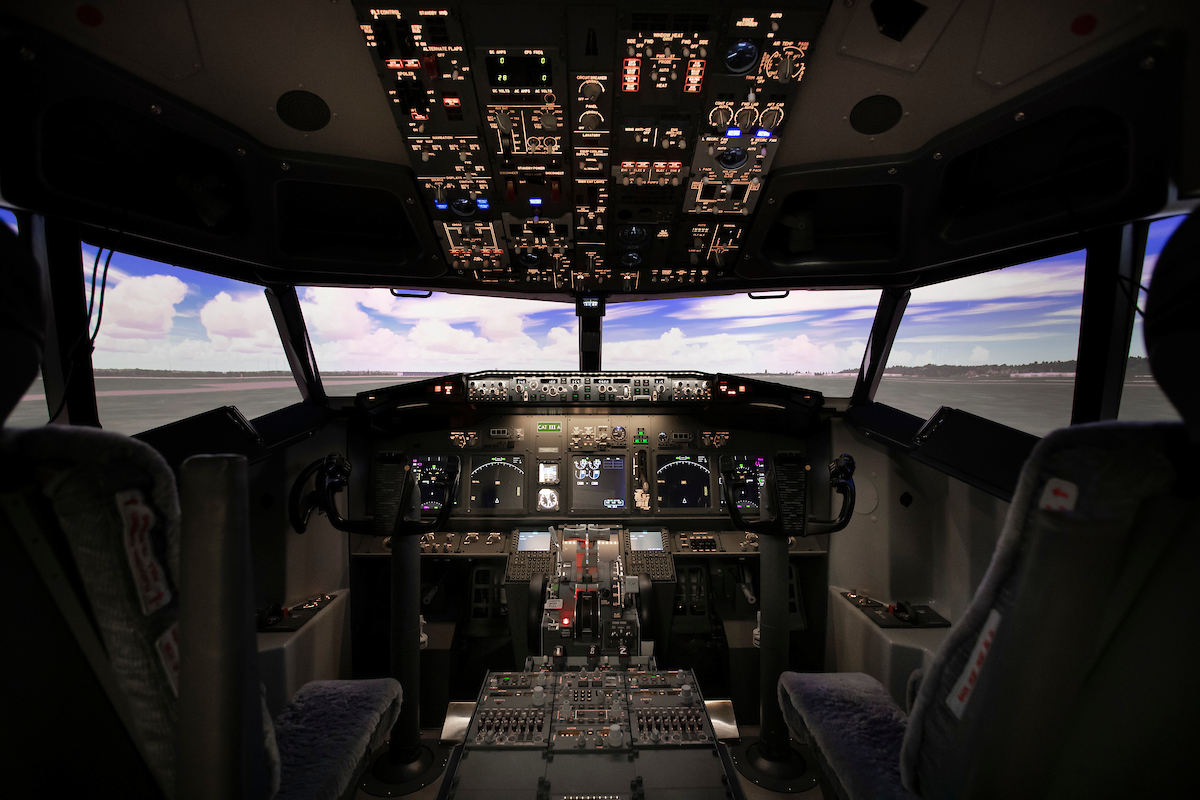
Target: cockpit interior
{"x":578,"y":400}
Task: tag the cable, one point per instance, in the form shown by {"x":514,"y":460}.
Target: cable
{"x":100,"y":307}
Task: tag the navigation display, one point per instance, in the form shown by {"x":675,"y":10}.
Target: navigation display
{"x":497,"y":483}
{"x":538,"y":541}
{"x":426,"y":470}
{"x":684,"y":481}
{"x":750,"y":475}
{"x":646,"y":540}
{"x":599,"y":483}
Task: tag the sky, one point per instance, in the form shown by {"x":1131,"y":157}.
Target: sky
{"x":163,"y":317}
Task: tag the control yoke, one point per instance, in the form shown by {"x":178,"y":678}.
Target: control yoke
{"x":783,"y":499}
{"x":331,"y":474}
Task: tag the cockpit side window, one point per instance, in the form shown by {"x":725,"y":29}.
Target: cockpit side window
{"x":1141,"y":399}
{"x":174,"y":342}
{"x":1001,"y":344}
{"x":368,"y":337}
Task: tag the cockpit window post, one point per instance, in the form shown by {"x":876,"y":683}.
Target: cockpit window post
{"x":289,"y":319}
{"x":892,"y":303}
{"x":1112,"y":276}
{"x":589,"y":308}
{"x":67,"y":359}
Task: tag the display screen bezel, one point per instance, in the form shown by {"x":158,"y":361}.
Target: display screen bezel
{"x":711,"y":508}
{"x":478,"y":460}
{"x":574,"y":488}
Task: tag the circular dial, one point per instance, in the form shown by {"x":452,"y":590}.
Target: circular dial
{"x":721,"y":116}
{"x":732,"y":158}
{"x":631,"y":259}
{"x":771,"y":118}
{"x":633,"y":235}
{"x":741,"y":57}
{"x":463,"y":206}
{"x":547,"y":500}
{"x":618,"y":434}
{"x":590,"y":120}
{"x":591,"y":90}
{"x":746,"y":117}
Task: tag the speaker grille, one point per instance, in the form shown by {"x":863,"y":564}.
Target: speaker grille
{"x":302,"y":110}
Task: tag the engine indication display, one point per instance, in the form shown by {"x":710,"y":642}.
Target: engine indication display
{"x":426,"y":470}
{"x":684,"y":481}
{"x":498,"y":483}
{"x":599,"y":483}
{"x":750,"y":475}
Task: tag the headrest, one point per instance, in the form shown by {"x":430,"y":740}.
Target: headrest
{"x":22,"y":320}
{"x":1172,"y":326}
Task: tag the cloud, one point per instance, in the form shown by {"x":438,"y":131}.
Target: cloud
{"x":945,"y":338}
{"x":243,"y":324}
{"x":903,"y":358}
{"x":741,"y":306}
{"x":979,"y":355}
{"x":142,"y":307}
{"x":1056,"y":277}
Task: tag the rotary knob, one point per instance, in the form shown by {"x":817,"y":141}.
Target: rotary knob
{"x":721,"y":116}
{"x":746,"y":117}
{"x":591,"y":90}
{"x":549,"y":121}
{"x":771,"y":118}
{"x":590,"y":120}
{"x":504,"y":120}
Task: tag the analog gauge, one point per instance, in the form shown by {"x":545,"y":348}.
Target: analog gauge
{"x":547,"y":500}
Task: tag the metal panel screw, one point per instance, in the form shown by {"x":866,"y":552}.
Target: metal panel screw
{"x":410,"y":201}
{"x":241,"y":151}
{"x":1147,"y":63}
{"x":937,"y":156}
{"x":155,"y":109}
{"x":25,"y":54}
{"x":892,"y":171}
{"x":285,"y":165}
{"x":1019,"y":116}
{"x":771,"y":201}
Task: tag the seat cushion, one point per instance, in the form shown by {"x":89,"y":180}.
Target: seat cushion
{"x":327,"y":732}
{"x":855,"y":725}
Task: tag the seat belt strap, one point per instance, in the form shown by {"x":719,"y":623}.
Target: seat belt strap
{"x":24,"y":522}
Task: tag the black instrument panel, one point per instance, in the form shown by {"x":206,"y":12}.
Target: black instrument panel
{"x":587,"y":466}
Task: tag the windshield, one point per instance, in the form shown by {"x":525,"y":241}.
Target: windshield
{"x":808,"y":337}
{"x":356,"y":330}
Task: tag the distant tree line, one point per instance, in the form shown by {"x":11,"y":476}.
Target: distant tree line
{"x":1137,"y":366}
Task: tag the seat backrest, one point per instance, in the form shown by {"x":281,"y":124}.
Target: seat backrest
{"x":1084,"y":614}
{"x":98,"y":516}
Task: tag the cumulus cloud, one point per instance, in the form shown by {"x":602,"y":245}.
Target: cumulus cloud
{"x":142,"y":307}
{"x":242,"y":324}
{"x":979,"y":355}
